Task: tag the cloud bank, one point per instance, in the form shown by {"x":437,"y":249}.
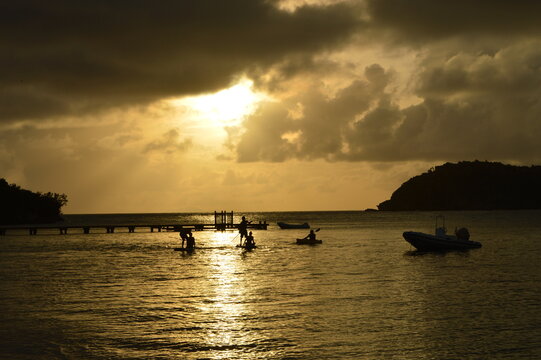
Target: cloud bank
{"x":64,"y":57}
{"x":470,"y":89}
{"x":475,"y":81}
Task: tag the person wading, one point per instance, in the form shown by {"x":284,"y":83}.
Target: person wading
{"x":183,"y":235}
{"x":243,"y":228}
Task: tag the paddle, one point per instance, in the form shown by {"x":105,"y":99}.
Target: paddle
{"x":236,"y":237}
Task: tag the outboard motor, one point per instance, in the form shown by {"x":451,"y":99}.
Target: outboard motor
{"x":462,"y":234}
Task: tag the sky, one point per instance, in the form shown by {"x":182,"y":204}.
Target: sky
{"x":260,"y":105}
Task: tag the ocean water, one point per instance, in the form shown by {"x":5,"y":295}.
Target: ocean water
{"x":362,"y":294}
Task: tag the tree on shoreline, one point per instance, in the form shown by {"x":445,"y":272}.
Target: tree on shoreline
{"x":21,"y":206}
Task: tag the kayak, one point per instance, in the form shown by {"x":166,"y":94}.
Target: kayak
{"x":247,"y":247}
{"x":183,"y":249}
{"x":308,"y":242}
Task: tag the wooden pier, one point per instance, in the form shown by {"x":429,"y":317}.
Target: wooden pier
{"x":109,"y":229}
{"x":222,"y":221}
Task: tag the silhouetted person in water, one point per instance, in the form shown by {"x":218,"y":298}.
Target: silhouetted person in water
{"x":190,"y":241}
{"x":243,"y":228}
{"x":249,"y":240}
{"x":183,"y":235}
{"x":311,"y":236}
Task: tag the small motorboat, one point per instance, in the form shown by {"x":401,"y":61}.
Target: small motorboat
{"x":305,"y":241}
{"x":284,"y":225}
{"x":440,"y":241}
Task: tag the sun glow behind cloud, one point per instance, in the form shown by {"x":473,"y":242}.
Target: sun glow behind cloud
{"x":224,"y":108}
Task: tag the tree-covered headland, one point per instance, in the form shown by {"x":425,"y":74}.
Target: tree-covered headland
{"x":20,"y":206}
{"x":470,"y":185}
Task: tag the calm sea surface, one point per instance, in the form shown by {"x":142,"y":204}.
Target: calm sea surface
{"x":362,"y":294}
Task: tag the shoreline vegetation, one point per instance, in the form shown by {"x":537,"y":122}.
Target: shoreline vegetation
{"x":469,"y":185}
{"x":21,"y":206}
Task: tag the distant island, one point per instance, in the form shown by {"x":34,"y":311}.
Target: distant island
{"x":469,"y":185}
{"x":20,"y":206}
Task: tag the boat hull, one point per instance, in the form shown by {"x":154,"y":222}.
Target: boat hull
{"x":427,"y":242}
{"x":284,"y":225}
{"x":308,"y":242}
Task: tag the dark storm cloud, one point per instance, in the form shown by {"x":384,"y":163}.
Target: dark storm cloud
{"x":419,"y":20}
{"x":60,"y":57}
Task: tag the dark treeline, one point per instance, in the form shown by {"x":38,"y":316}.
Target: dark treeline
{"x":20,"y":206}
{"x":470,"y":185}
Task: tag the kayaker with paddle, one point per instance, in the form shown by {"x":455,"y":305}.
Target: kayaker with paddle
{"x":311,"y":236}
{"x":309,"y":239}
{"x":243,"y":228}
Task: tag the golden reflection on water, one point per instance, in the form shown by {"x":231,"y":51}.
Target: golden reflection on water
{"x":227,"y":295}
